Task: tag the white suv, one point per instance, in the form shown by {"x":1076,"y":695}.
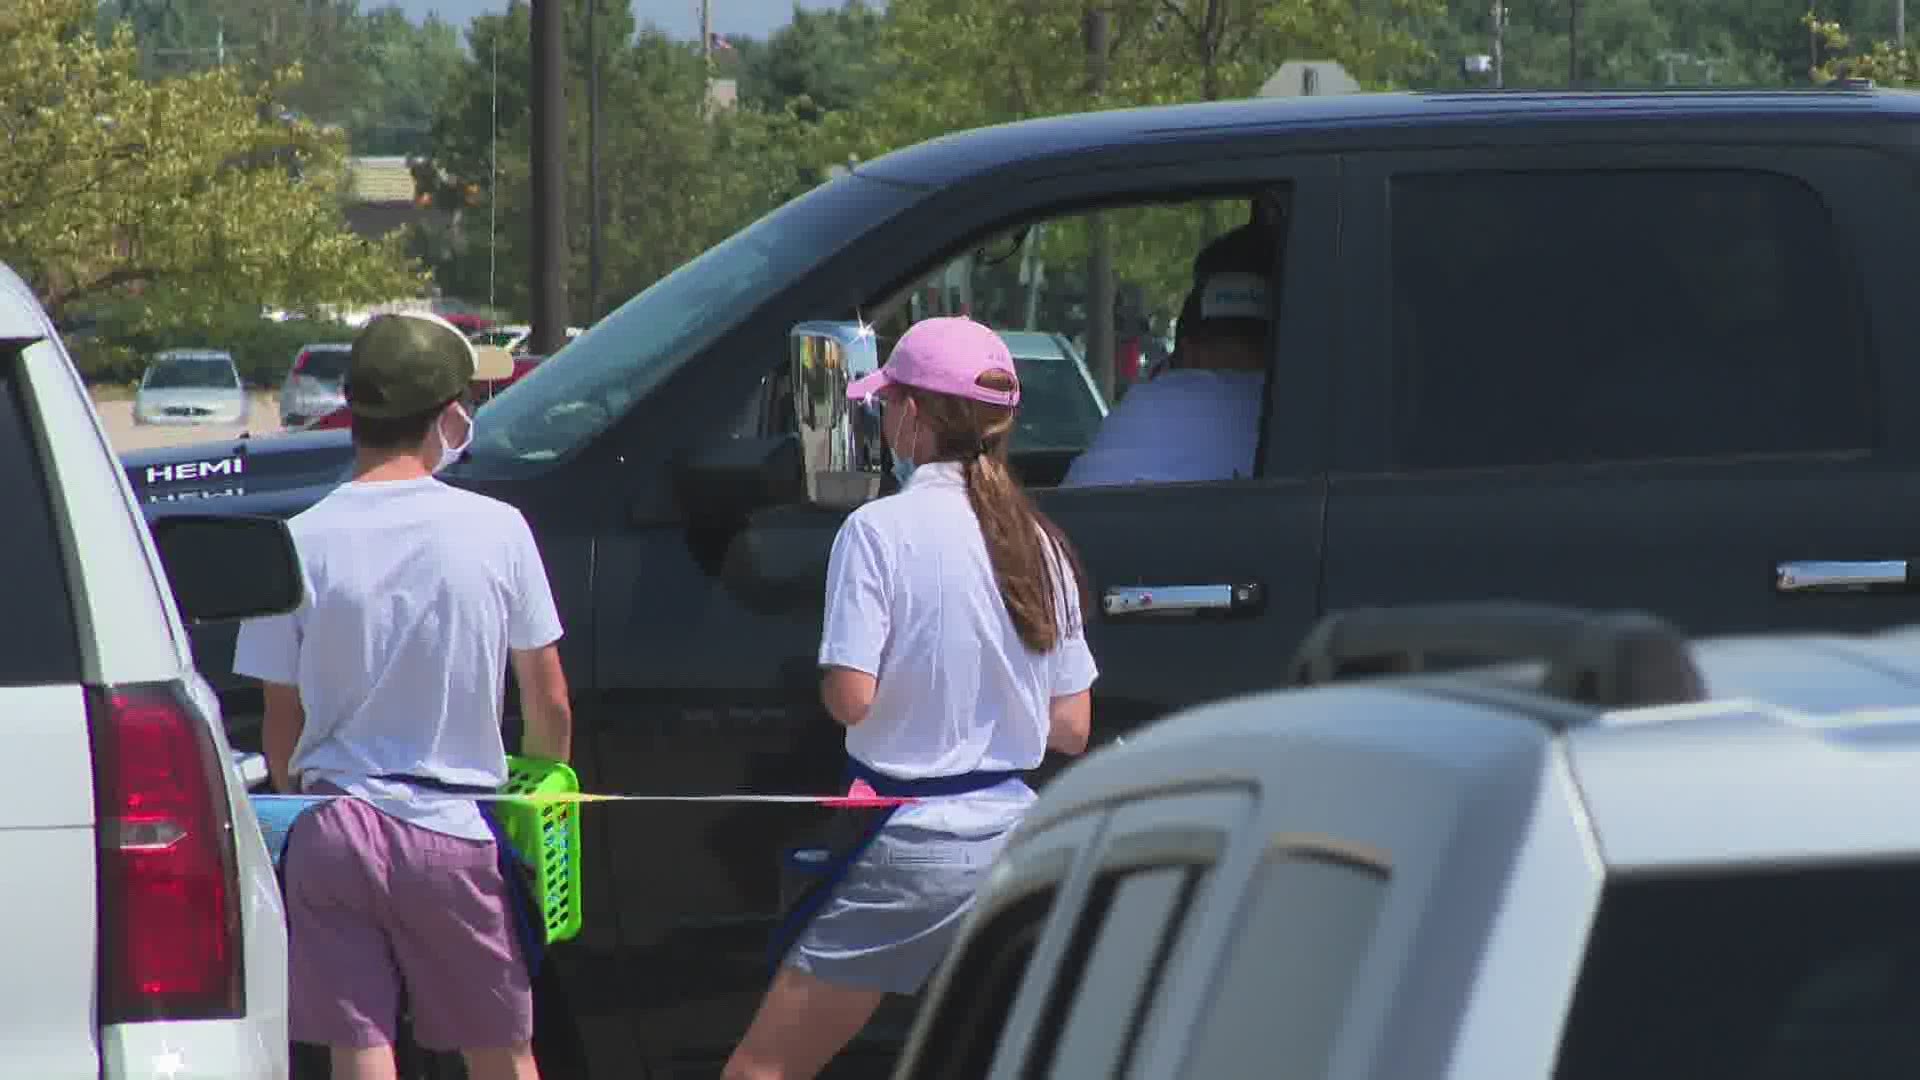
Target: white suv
{"x":1633,"y":856}
{"x":143,"y":932}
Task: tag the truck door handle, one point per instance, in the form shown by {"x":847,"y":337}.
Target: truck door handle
{"x":1842,"y":576}
{"x":1190,"y":600}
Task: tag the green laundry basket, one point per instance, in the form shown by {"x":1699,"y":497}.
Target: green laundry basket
{"x":546,"y":837}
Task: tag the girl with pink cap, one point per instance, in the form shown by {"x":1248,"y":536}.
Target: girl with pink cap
{"x":952,"y":653}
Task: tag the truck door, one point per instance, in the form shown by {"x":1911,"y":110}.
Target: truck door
{"x":1653,"y":376}
{"x":708,"y":633}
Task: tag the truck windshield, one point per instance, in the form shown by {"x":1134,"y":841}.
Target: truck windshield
{"x":594,"y":379}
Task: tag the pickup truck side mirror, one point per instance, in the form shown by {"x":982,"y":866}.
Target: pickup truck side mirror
{"x":224,"y":568}
{"x":844,"y":455}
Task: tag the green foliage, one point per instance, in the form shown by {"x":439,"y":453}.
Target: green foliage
{"x":1885,"y":62}
{"x":185,"y":190}
{"x":373,"y":73}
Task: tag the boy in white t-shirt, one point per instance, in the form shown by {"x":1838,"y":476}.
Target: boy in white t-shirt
{"x":387,"y":683}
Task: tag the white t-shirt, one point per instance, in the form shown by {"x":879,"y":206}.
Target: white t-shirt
{"x":415,"y":592}
{"x":912,"y":600}
{"x":1184,"y":424}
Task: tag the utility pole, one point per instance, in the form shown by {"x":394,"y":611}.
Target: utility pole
{"x":1100,"y":335}
{"x":1499,"y":44}
{"x":706,"y":35}
{"x":549,"y":284}
{"x":1573,"y":43}
{"x":1900,"y":23}
{"x":593,"y":168}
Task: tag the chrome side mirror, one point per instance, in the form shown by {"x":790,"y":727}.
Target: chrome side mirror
{"x":841,"y":446}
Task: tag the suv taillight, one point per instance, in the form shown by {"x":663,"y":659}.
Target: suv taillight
{"x":170,"y":938}
{"x":300,"y":362}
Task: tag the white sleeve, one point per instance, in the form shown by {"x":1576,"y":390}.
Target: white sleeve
{"x":268,"y":648}
{"x":859,"y":590}
{"x":1072,"y":662}
{"x":534,"y":621}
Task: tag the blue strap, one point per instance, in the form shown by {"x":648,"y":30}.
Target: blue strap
{"x":532,"y":934}
{"x":926,"y":787}
{"x":793,"y":922}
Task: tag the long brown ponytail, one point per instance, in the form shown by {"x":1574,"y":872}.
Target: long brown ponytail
{"x":1023,"y":544}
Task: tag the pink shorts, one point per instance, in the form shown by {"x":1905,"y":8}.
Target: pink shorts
{"x":375,"y":905}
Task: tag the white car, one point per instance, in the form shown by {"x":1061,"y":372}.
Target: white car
{"x":1634,"y":856}
{"x":191,"y":386}
{"x":143,"y":933}
{"x":512,"y":337}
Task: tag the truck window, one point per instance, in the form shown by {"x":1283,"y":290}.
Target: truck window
{"x":1031,"y":282}
{"x":593,"y":380}
{"x":1282,"y":994}
{"x":1112,"y":968}
{"x":38,"y":641}
{"x":1545,"y":318}
{"x":965,"y":1031}
{"x":1783,"y":974}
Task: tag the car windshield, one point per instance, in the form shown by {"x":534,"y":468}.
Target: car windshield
{"x":327,"y":365}
{"x":1059,"y":409}
{"x":497,"y":338}
{"x":595,"y":378}
{"x":192,"y":373}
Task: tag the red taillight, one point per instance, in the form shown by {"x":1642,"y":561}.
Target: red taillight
{"x":169,"y":887}
{"x":300,"y":362}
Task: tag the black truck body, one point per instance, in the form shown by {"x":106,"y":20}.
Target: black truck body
{"x":1407,"y":456}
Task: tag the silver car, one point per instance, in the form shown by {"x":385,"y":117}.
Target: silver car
{"x":316,"y":384}
{"x":191,"y":386}
{"x":1630,"y":855}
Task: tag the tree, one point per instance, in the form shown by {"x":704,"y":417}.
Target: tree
{"x":190,"y":190}
{"x":821,"y":62}
{"x":675,"y":177}
{"x":954,"y":64}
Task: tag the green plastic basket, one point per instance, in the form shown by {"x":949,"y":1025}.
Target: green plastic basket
{"x":546,"y":837}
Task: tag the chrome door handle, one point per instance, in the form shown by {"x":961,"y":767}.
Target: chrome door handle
{"x":1122,"y":600}
{"x":1830,"y":576}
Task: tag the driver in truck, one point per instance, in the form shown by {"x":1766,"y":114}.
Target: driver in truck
{"x":1200,"y":418}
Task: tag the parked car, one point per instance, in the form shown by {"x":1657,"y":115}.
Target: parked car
{"x":144,"y":933}
{"x":1611,"y":853}
{"x":513,"y":336}
{"x":1062,"y":404}
{"x":1619,"y":349}
{"x":316,"y":383}
{"x":191,"y":386}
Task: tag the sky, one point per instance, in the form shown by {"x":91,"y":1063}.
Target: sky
{"x":680,"y":18}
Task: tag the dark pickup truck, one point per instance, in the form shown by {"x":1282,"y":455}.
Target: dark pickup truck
{"x":1611,"y":350}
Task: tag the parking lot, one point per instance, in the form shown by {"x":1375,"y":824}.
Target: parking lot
{"x":116,"y":412}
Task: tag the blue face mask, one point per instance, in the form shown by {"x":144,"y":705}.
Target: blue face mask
{"x":902,"y":468}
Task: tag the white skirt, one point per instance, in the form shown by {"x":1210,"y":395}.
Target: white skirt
{"x":891,"y":920}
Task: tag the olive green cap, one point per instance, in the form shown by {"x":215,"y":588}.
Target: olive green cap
{"x":406,"y":364}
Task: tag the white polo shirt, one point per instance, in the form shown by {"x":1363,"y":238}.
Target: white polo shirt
{"x":912,"y":600}
{"x":415,"y":593}
{"x":1182,"y":425}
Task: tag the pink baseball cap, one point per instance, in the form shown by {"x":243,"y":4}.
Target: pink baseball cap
{"x":945,"y":356}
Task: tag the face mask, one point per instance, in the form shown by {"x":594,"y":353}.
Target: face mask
{"x":903,"y":464}
{"x":451,"y":454}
